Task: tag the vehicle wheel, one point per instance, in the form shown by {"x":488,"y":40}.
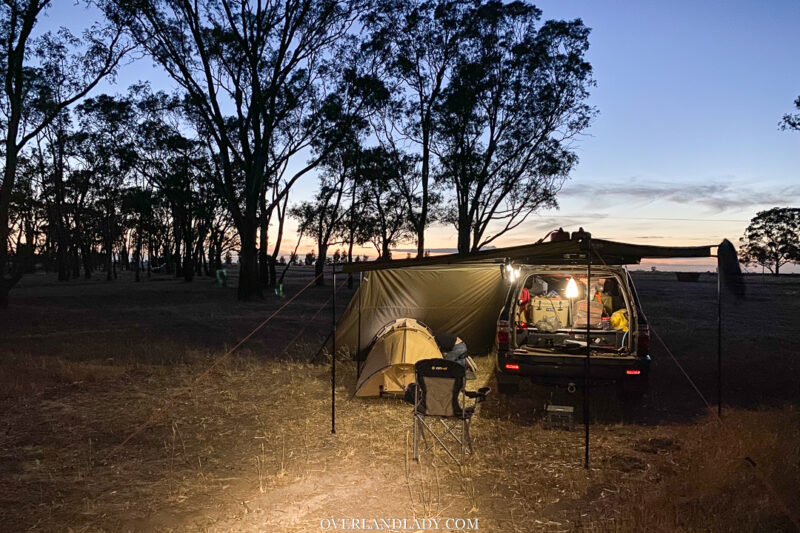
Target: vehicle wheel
{"x":507,"y":389}
{"x":632,"y":396}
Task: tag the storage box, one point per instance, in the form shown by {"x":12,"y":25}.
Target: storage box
{"x":559,"y":416}
{"x":595,"y":314}
{"x":542,"y":308}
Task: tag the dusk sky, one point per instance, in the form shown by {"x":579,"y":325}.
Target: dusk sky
{"x":686,"y":147}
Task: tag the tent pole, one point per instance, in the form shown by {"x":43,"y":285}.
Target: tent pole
{"x":587,"y":368}
{"x":719,"y":338}
{"x":358,"y":352}
{"x":333,"y":354}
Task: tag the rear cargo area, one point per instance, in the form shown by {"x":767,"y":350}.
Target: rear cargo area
{"x":555,"y":308}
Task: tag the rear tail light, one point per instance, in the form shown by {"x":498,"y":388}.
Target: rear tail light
{"x":633,"y":372}
{"x":512,"y":366}
{"x":503,"y":334}
{"x":643,"y":342}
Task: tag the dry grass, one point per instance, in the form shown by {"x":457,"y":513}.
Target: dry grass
{"x":249,"y":448}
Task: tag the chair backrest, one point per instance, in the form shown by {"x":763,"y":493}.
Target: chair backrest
{"x":440,"y":383}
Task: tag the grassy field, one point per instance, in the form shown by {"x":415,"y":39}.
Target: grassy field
{"x":247,"y":446}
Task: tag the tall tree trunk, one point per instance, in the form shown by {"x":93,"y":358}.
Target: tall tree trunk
{"x":249,"y":283}
{"x":273,"y":272}
{"x":137,"y":254}
{"x":86,"y":252}
{"x":7,"y":281}
{"x":62,"y":238}
{"x":350,"y":260}
{"x":423,"y":212}
{"x":263,"y":241}
{"x":188,"y":253}
{"x":76,"y":261}
{"x":386,"y":254}
{"x":319,"y":266}
{"x":150,"y":255}
{"x":109,"y":244}
{"x":273,"y":260}
{"x":177,"y":233}
{"x":464,"y":231}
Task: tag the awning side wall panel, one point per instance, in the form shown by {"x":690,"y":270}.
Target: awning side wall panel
{"x":462,"y":300}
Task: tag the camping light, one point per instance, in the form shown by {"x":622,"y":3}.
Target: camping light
{"x":572,"y":288}
{"x":511,"y":273}
{"x":572,"y":292}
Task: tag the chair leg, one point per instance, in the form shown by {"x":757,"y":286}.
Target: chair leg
{"x":463,"y":443}
{"x":416,"y":440}
{"x":468,"y":435}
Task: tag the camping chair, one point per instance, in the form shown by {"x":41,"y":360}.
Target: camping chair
{"x":439,"y":392}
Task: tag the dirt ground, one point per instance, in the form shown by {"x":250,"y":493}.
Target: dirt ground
{"x":113,"y":422}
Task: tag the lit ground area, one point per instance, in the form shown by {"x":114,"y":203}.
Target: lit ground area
{"x":247,"y":447}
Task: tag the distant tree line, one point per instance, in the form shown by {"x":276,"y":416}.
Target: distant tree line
{"x":114,"y":181}
{"x":409,"y":113}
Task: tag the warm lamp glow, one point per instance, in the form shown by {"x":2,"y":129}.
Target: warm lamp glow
{"x":512,"y":273}
{"x":572,"y":288}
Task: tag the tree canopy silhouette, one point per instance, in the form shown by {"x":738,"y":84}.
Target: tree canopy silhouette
{"x":41,"y":78}
{"x":772,"y":239}
{"x":262,"y":79}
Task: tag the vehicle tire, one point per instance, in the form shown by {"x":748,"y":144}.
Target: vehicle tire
{"x":507,"y":388}
{"x":632,"y":396}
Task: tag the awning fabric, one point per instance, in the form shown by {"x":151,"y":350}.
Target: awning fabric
{"x":464,"y":294}
{"x":549,"y":253}
{"x":464,"y":300}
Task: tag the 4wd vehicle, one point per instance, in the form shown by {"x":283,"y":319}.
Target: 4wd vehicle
{"x":542,"y":329}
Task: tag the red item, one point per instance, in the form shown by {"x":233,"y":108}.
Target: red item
{"x":525,"y":298}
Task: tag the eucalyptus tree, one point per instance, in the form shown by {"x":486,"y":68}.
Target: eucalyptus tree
{"x":354,"y":93}
{"x":27,"y":214}
{"x":385,"y":219}
{"x":34,"y":71}
{"x":51,"y":150}
{"x":107,"y":148}
{"x":515,"y":101}
{"x":320,"y":219}
{"x":772,"y":239}
{"x":138,"y":204}
{"x":416,"y":42}
{"x":254,"y":74}
{"x":791,"y":121}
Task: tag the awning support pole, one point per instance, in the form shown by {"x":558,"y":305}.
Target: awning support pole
{"x":333,"y":353}
{"x":358,"y":348}
{"x":719,"y":338}
{"x":587,"y":369}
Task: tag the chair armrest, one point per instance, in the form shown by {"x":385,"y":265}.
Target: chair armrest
{"x":479,"y":395}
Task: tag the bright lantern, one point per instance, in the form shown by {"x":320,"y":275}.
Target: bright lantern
{"x":572,"y":288}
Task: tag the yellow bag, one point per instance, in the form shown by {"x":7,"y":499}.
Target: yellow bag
{"x":619,"y":320}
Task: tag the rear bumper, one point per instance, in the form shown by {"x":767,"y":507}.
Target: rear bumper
{"x":563,"y":369}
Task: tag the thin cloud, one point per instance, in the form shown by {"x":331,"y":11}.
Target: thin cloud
{"x":717,"y":196}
